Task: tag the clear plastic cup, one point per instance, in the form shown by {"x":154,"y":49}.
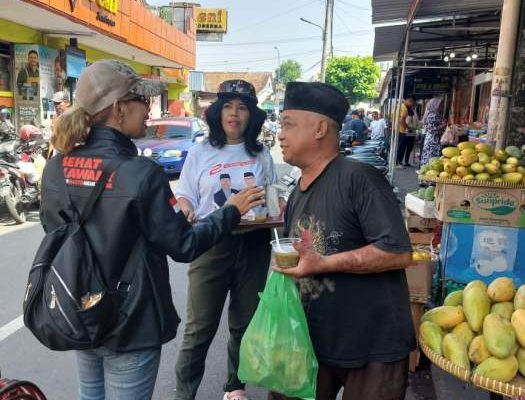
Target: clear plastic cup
{"x":260,"y":214}
{"x":284,"y":253}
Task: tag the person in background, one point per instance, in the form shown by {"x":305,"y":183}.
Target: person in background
{"x":406,"y":136}
{"x":6,"y":126}
{"x":238,"y":265}
{"x":358,"y":126}
{"x":61,"y":104}
{"x":111,"y":106}
{"x":352,"y":254}
{"x":433,"y":125}
{"x":377,"y":127}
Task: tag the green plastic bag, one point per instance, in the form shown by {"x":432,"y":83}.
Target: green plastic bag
{"x":276,"y":351}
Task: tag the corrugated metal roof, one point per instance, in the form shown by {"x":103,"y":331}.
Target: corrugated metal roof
{"x":197,"y":81}
{"x":397,"y":10}
{"x":436,"y":35}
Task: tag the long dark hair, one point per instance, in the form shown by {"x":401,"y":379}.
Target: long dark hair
{"x":217,"y":136}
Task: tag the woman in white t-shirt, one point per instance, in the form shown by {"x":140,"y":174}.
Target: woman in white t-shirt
{"x":230,"y":160}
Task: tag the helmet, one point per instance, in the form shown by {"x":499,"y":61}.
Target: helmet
{"x":4,"y":112}
{"x":27,"y":132}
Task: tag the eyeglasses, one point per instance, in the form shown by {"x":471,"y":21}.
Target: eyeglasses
{"x":142,"y":99}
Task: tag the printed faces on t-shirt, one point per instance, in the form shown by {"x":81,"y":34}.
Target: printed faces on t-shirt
{"x":231,"y":178}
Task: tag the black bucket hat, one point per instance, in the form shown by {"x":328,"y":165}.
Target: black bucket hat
{"x":237,"y":88}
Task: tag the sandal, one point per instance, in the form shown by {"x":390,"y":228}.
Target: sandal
{"x":235,"y":395}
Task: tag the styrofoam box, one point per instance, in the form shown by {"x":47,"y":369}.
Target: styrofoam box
{"x":423,"y":208}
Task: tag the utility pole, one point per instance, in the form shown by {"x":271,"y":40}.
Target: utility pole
{"x":327,"y":36}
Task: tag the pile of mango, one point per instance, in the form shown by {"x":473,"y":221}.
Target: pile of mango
{"x":480,"y":326}
{"x":470,"y":161}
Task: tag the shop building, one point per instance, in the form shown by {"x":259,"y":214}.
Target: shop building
{"x":45,"y":44}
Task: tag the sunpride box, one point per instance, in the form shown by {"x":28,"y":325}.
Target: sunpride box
{"x":480,"y":205}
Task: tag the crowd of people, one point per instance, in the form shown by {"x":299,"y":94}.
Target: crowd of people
{"x":352,"y":253}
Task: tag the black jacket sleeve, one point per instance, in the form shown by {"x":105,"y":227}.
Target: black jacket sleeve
{"x":166,"y":228}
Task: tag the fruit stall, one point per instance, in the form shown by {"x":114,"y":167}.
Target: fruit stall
{"x":478,"y":334}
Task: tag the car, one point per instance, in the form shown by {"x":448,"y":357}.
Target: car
{"x":168,"y":140}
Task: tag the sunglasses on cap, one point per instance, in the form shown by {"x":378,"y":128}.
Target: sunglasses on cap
{"x":140,"y":98}
{"x":237,"y":86}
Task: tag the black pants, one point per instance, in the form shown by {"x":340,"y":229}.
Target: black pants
{"x":404,"y":148}
{"x":238,"y":266}
{"x":374,"y":381}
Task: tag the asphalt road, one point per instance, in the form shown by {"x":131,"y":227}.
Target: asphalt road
{"x":22,"y":357}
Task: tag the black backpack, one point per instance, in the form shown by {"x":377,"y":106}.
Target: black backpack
{"x":67,"y":304}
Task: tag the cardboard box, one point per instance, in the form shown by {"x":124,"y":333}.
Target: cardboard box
{"x":421,"y":238}
{"x":417,"y":310}
{"x":419,"y":279}
{"x":415,"y":222}
{"x":480,"y":205}
{"x":471,"y":252}
{"x":423,"y":208}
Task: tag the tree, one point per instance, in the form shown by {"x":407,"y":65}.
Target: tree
{"x":356,"y":77}
{"x":288,"y":71}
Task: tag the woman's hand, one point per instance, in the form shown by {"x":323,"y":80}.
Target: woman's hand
{"x":247,"y":198}
{"x":187,"y":209}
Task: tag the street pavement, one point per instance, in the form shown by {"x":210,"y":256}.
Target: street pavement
{"x":22,"y":357}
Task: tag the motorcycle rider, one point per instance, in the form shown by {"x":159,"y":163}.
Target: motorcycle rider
{"x":6,"y":126}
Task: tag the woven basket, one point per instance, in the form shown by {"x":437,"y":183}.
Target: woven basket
{"x":489,"y":184}
{"x":516,"y":387}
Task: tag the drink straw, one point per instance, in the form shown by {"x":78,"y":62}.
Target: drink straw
{"x":277,"y":239}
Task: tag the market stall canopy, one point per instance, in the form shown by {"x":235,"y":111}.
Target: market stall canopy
{"x":429,"y":40}
{"x":384,"y":11}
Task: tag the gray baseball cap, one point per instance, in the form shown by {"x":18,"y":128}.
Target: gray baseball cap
{"x":106,"y":81}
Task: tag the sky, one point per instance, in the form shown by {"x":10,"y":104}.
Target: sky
{"x":255,"y":27}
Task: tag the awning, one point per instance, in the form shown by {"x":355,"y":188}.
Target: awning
{"x":430,"y":39}
{"x":40,"y":19}
{"x":384,"y":11}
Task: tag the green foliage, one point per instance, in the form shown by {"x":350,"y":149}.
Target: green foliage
{"x":288,"y":71}
{"x":356,"y":77}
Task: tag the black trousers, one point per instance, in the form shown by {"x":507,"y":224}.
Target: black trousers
{"x":405,"y":147}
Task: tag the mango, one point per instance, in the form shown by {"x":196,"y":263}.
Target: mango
{"x":476,"y":306}
{"x":501,"y":289}
{"x":467,"y":159}
{"x":455,"y":177}
{"x":454,"y":298}
{"x":491,"y":169}
{"x":512,"y":177}
{"x":513,"y":151}
{"x":450,"y":166}
{"x":501,"y":155}
{"x":455,"y":350}
{"x":509,"y":169}
{"x":483,"y":158}
{"x":436,"y":164}
{"x":462,"y":171}
{"x":513,"y":161}
{"x":519,"y":298}
{"x":432,"y":336}
{"x":476,"y":282}
{"x":521,"y":361}
{"x":450,"y":152}
{"x":483,"y":177}
{"x":466,"y":145}
{"x":464,"y":332}
{"x":432,"y":174}
{"x":477,"y":167}
{"x":504,"y":309}
{"x":499,"y":335}
{"x":444,"y":175}
{"x":446,"y":317}
{"x":469,"y":177}
{"x":501,"y":370}
{"x":484,"y":148}
{"x":477,"y":351}
{"x":496,"y":162}
{"x":518,"y":323}
{"x":465,"y":152}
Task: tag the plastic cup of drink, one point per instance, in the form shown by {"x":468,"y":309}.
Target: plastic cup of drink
{"x":284,"y":253}
{"x":260,"y":213}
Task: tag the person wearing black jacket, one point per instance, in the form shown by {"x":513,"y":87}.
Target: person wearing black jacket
{"x":137,"y":208}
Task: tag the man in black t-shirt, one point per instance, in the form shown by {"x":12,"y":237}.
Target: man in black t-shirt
{"x":354,"y":247}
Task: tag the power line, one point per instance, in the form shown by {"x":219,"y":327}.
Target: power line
{"x":236,"y":62}
{"x":353,"y":5}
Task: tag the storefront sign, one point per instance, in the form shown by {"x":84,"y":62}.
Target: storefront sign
{"x":75,"y":61}
{"x":174,"y":75}
{"x":108,"y":5}
{"x":105,"y":19}
{"x":212,"y":20}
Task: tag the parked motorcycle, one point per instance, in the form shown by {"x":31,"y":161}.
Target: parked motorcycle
{"x":268,"y":137}
{"x":11,"y":193}
{"x":371,"y":152}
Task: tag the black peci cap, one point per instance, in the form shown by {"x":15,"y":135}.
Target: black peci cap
{"x":224,"y":176}
{"x":316,"y":97}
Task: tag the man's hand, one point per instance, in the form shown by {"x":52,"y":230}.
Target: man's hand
{"x":310,"y":263}
{"x":247,"y":199}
